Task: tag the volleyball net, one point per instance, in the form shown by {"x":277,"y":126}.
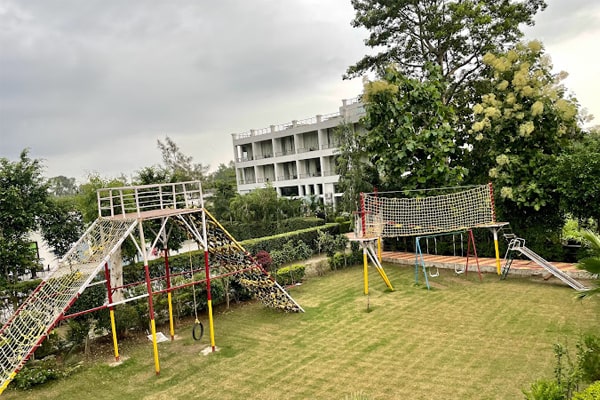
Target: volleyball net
{"x":412,"y":213}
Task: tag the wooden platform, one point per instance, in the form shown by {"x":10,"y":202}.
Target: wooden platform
{"x":487,"y":265}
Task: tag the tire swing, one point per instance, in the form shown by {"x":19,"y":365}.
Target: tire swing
{"x":198,"y":328}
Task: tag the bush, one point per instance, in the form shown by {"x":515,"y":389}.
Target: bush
{"x":591,"y":393}
{"x":545,"y":389}
{"x":337,"y":261}
{"x":38,"y":372}
{"x":290,"y":275}
{"x":588,"y":354}
{"x":263,"y":258}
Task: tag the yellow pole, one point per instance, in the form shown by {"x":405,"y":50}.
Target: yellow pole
{"x":10,"y":378}
{"x":365,"y":270}
{"x":113,"y":328}
{"x":154,"y":345}
{"x":171,"y":325}
{"x":498,"y":268}
{"x":211,"y":325}
{"x":379,"y":248}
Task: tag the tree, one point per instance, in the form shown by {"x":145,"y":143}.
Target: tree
{"x":521,"y":126}
{"x":356,"y":173}
{"x":180,"y":167}
{"x":222,"y":187}
{"x":453,"y":34}
{"x":410,"y":139}
{"x":62,"y":186}
{"x":61,"y":224}
{"x":575,"y":175}
{"x":23,"y":199}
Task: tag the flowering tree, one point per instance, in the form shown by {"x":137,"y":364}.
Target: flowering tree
{"x":522,"y":124}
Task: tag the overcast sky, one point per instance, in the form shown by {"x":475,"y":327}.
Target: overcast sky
{"x":89,"y":86}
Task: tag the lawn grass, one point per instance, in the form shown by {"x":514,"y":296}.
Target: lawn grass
{"x":464,"y":339}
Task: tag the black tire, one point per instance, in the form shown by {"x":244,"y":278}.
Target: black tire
{"x":198,"y":331}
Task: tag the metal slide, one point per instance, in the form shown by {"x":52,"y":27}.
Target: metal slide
{"x":42,"y":310}
{"x":518,"y":245}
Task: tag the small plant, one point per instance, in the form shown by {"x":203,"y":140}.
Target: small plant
{"x":39,"y":372}
{"x":290,"y":275}
{"x":588,"y":357}
{"x":263,"y":258}
{"x":592,"y":392}
{"x":545,"y":389}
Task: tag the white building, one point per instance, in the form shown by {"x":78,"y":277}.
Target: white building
{"x":298,"y":158}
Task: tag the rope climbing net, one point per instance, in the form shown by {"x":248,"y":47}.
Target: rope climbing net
{"x":390,"y":215}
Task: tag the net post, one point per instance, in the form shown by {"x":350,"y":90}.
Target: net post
{"x":363,"y":217}
{"x":492,"y":201}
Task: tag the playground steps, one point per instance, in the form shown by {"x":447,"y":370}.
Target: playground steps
{"x":43,"y":309}
{"x":518,"y":245}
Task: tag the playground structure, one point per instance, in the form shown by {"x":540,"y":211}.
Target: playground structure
{"x":450,"y":211}
{"x":516,"y":246}
{"x":95,"y":260}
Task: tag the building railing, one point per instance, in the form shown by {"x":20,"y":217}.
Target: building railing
{"x":295,"y":123}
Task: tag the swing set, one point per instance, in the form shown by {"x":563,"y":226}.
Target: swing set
{"x":419,"y":214}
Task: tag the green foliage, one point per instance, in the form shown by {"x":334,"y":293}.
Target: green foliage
{"x":592,"y":262}
{"x":251,"y":230}
{"x":291,"y":251}
{"x":290,"y":275}
{"x":356,"y":173}
{"x":575,"y":176}
{"x":52,"y":345}
{"x":39,"y":372}
{"x":263,"y":206}
{"x":453,"y":34}
{"x":178,"y":166}
{"x":23,"y":199}
{"x":61,"y":224}
{"x":411,"y":141}
{"x":275,"y":242}
{"x":592,"y":392}
{"x":545,"y":389}
{"x":588,"y":357}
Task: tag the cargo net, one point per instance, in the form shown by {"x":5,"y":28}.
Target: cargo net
{"x":24,"y":331}
{"x":416,"y":214}
{"x":227,"y":256}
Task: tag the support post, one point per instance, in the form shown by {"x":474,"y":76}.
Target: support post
{"x":169,"y":295}
{"x":209,"y":301}
{"x":498,"y":268}
{"x":150,"y":303}
{"x":111,"y":311}
{"x":379,"y":248}
{"x":365,"y":269}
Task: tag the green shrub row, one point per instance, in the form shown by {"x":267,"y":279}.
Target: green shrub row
{"x":245,"y":231}
{"x":276,"y":242}
{"x":290,"y":275}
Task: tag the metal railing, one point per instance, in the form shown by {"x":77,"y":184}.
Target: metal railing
{"x":129,"y":200}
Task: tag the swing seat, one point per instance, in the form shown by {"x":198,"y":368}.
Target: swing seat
{"x":458,"y":270}
{"x":437,"y":272}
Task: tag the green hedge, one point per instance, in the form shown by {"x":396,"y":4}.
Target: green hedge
{"x":591,"y":393}
{"x":243,"y":231}
{"x":276,"y":242}
{"x":290,"y":275}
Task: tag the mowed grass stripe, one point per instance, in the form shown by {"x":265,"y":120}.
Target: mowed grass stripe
{"x":463,"y":339}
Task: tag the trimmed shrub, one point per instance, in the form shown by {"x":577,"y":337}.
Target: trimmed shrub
{"x":39,"y":372}
{"x":545,"y":389}
{"x":290,"y":275}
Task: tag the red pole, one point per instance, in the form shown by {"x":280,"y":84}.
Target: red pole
{"x":492,"y":202}
{"x":363,"y":214}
